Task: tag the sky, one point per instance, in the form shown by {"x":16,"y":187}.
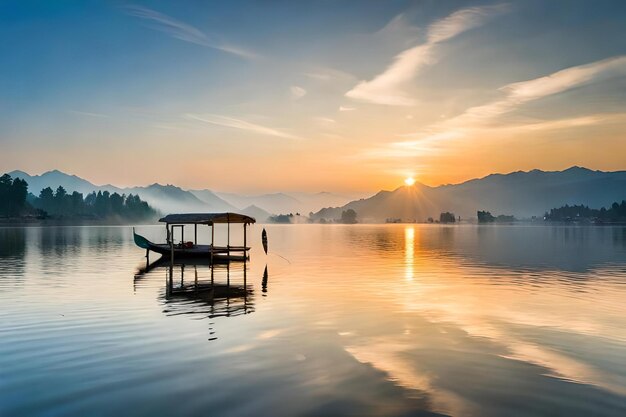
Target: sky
{"x":332,"y":95}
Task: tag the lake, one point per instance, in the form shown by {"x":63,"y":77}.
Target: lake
{"x":363,"y":320}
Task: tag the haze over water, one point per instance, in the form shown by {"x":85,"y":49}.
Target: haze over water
{"x":368,"y":320}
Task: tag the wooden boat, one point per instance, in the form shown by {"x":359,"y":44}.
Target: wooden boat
{"x":189,"y":249}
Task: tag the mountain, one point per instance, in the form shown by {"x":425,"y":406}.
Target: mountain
{"x":315,"y":201}
{"x":216,"y":203}
{"x":272,"y":203}
{"x":54,"y":178}
{"x":165,"y":198}
{"x":258,"y":213}
{"x":522,"y":194}
{"x":283,"y":203}
{"x":169,"y":198}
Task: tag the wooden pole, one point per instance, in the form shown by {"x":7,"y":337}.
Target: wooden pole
{"x":228,"y":236}
{"x":212,"y":247}
{"x":168,"y":281}
{"x":195,"y":234}
{"x":171,"y":233}
{"x":245,"y":252}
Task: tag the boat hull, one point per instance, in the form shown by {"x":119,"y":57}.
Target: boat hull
{"x":209,"y":252}
{"x":200,"y":251}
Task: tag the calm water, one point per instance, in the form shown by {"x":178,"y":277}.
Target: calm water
{"x":389,"y":320}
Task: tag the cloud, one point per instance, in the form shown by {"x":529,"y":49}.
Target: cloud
{"x":84,"y":113}
{"x":523,"y":92}
{"x":485,"y":120}
{"x":325,"y":74}
{"x":346,"y":108}
{"x":462,"y":21}
{"x":297,"y":92}
{"x":218,"y":120}
{"x":183,"y":31}
{"x":388,"y":87}
{"x":324,"y":121}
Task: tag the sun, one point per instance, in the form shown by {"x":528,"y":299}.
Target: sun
{"x":409,"y":181}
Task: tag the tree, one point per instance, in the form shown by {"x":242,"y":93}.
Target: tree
{"x":19,"y":192}
{"x":447,"y":217}
{"x":61,"y":201}
{"x":485,"y":217}
{"x":116,"y":204}
{"x":6,"y":182}
{"x":76,"y":203}
{"x":13,"y":194}
{"x":348,"y":216}
{"x":46,"y":200}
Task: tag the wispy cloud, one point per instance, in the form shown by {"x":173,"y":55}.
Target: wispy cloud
{"x":183,"y":31}
{"x":388,"y":87}
{"x":219,"y":120}
{"x":297,"y":92}
{"x":519,"y":93}
{"x":462,"y":21}
{"x":487,"y":120}
{"x":88,"y":114}
{"x":328,"y":74}
{"x":346,"y":108}
{"x":324,"y":121}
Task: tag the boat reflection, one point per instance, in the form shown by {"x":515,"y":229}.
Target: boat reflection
{"x":207,"y":290}
{"x":264,"y":282}
{"x":199,"y":289}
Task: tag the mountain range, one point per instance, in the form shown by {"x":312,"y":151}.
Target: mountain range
{"x":522,"y":194}
{"x":172,"y":199}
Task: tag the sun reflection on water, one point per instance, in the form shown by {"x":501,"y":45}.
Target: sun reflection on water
{"x":409,"y":252}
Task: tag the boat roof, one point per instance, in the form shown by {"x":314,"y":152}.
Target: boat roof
{"x":206,"y":218}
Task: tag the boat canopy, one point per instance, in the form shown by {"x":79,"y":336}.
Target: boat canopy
{"x":207,"y":218}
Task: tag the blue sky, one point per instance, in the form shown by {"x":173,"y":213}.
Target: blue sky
{"x":326,"y":95}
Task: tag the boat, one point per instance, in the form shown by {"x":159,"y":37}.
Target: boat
{"x":191,"y":249}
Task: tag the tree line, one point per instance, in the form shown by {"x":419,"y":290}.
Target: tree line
{"x":615,"y":213}
{"x":16,"y":201}
{"x":487,"y":217}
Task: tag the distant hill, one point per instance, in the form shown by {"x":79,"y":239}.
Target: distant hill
{"x":216,"y":203}
{"x":272,"y":203}
{"x":54,"y":178}
{"x":166,"y":198}
{"x":258,"y":213}
{"x":522,"y":194}
{"x":169,"y":198}
{"x":284,"y":203}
